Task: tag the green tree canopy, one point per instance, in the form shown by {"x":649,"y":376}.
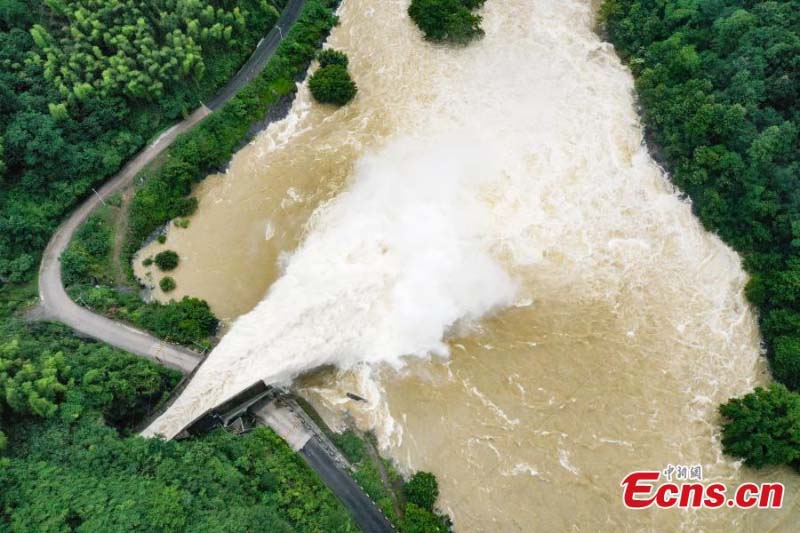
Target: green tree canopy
{"x":135,"y":49}
{"x":167,"y":284}
{"x":763,"y":427}
{"x":419,"y":520}
{"x":31,"y":387}
{"x":167,"y":260}
{"x":447,"y":20}
{"x":329,"y":56}
{"x":332,"y":85}
{"x":422,"y":490}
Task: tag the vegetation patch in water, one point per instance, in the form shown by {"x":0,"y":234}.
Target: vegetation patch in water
{"x":167,"y":260}
{"x":331,"y":83}
{"x":167,"y":284}
{"x":447,"y":20}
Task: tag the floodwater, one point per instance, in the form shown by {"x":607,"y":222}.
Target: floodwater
{"x":481,"y":247}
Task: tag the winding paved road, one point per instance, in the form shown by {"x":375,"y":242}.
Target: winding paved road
{"x":55,"y":304}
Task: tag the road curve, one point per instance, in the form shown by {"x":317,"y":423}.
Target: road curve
{"x":55,"y":304}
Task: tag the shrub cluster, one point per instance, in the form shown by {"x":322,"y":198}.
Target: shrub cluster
{"x":188,"y":321}
{"x":331,"y":83}
{"x":447,"y":20}
{"x":410,"y":505}
{"x":167,"y":284}
{"x":87,"y":257}
{"x":167,"y":260}
{"x":329,"y":56}
{"x":422,"y":490}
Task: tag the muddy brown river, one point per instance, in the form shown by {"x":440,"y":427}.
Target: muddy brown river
{"x":481,"y":247}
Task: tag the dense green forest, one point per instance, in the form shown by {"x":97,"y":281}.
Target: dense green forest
{"x":69,"y":456}
{"x":718,"y":82}
{"x":88,"y":266}
{"x":85,"y":84}
{"x":70,"y":460}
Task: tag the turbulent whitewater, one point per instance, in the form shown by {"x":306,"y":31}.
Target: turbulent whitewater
{"x":481,"y":246}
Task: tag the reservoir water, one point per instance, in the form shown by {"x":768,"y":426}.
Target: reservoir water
{"x":481,"y":246}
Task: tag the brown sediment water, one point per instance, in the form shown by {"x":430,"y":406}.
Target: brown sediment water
{"x":483,"y":247}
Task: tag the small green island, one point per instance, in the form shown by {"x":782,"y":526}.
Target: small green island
{"x":167,"y":260}
{"x":167,"y":284}
{"x":452,"y":21}
{"x":331,"y":83}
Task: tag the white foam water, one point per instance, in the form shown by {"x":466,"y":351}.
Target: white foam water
{"x":506,"y":215}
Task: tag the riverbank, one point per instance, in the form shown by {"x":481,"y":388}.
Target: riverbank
{"x":69,"y":435}
{"x":726,"y":128}
{"x":379,"y":477}
{"x":346,"y":226}
{"x":163,"y":188}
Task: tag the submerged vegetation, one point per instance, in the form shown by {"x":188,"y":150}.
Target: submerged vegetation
{"x":167,"y":260}
{"x":719,"y":83}
{"x":331,"y":83}
{"x":451,"y":21}
{"x":167,"y":284}
{"x":329,"y":56}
